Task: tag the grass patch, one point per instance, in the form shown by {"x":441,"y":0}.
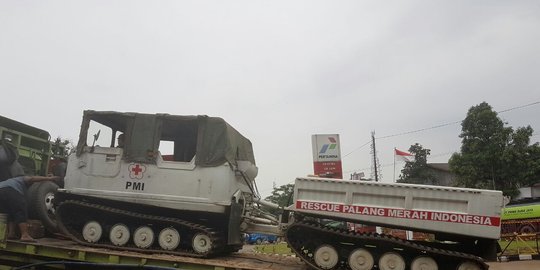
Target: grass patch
{"x":280,"y":248}
{"x":519,"y":247}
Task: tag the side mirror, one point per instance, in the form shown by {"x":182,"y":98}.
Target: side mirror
{"x":96,"y":137}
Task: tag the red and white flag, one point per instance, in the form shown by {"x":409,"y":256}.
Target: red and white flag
{"x":403,"y":156}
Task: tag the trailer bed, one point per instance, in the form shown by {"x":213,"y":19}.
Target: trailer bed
{"x":17,"y":253}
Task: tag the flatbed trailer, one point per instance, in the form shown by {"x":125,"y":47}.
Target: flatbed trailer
{"x":52,"y":250}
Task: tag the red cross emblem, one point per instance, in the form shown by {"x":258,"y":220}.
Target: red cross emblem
{"x":136,"y":171}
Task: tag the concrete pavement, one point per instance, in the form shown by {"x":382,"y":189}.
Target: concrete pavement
{"x":515,"y":265}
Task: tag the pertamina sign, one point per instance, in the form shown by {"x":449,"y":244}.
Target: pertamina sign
{"x":327,"y":155}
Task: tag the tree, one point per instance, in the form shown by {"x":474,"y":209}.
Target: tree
{"x":282,"y":195}
{"x":492,"y":155}
{"x":417,"y":171}
{"x":61,"y":147}
{"x":532,"y":175}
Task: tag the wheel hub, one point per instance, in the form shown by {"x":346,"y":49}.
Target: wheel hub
{"x":49,"y":205}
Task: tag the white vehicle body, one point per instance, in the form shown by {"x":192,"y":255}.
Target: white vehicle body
{"x":176,"y":185}
{"x":458,"y":211}
{"x":190,"y":169}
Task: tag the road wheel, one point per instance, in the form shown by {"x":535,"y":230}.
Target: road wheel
{"x":169,"y":239}
{"x":143,"y":237}
{"x":92,"y":231}
{"x":326,"y":257}
{"x":468,"y":266}
{"x":424,"y":263}
{"x":361,"y":259}
{"x":258,"y":241}
{"x":202,"y":243}
{"x":391,"y":261}
{"x":119,"y":234}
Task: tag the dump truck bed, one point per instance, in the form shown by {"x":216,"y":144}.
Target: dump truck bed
{"x":457,"y":211}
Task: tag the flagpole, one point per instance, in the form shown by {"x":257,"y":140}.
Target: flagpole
{"x":394,"y":164}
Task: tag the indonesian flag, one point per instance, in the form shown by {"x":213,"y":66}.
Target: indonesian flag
{"x":403,"y":156}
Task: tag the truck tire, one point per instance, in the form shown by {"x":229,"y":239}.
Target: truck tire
{"x":30,"y":194}
{"x":41,"y":198}
{"x":527,"y":228}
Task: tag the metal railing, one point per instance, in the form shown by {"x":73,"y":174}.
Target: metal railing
{"x":523,"y":244}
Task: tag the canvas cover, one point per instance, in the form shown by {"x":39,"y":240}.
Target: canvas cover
{"x":219,"y":142}
{"x":216,"y":141}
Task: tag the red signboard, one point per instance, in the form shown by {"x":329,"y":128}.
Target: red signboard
{"x":330,"y":169}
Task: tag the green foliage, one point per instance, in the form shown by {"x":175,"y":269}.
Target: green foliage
{"x":280,"y":248}
{"x":417,"y":171}
{"x":282,"y":195}
{"x":494,"y":156}
{"x":61,"y":147}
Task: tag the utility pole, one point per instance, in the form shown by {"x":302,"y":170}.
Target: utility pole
{"x":375,"y":168}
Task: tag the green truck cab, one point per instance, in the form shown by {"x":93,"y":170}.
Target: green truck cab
{"x":34,"y":153}
{"x":32,"y":144}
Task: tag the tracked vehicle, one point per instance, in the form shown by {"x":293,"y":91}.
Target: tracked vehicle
{"x":180,"y":184}
{"x":464,"y":223}
{"x":185,"y":185}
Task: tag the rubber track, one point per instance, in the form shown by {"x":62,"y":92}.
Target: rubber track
{"x":296,"y":241}
{"x":75,"y":235}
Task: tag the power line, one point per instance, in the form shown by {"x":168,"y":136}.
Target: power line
{"x":453,"y":123}
{"x":418,"y":130}
{"x":358,"y":148}
{"x":519,"y":107}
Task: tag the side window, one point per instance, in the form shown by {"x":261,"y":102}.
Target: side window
{"x":180,"y":151}
{"x":104,"y":139}
{"x":120,"y":140}
{"x":166,"y":148}
{"x":178,"y":140}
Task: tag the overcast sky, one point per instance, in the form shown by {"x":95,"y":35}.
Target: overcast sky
{"x":278,"y":71}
